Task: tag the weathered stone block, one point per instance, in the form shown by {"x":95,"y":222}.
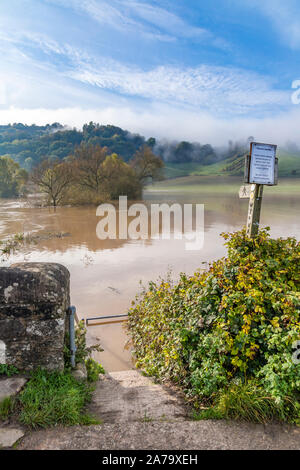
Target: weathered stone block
{"x":8,"y":436}
{"x":34,"y":298}
{"x":11,"y":386}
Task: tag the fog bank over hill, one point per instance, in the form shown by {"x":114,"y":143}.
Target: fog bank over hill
{"x":28,"y":145}
{"x":169,"y":123}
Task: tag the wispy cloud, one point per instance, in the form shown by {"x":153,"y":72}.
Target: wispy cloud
{"x":283,"y":15}
{"x":220,"y":90}
{"x":29,"y":75}
{"x":45,"y":76}
{"x":141,"y":18}
{"x":27,"y":41}
{"x":164,"y":20}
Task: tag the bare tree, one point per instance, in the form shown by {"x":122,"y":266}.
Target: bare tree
{"x":87,"y":163}
{"x":54,"y":179}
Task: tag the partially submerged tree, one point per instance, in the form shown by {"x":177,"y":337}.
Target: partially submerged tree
{"x":12,"y":177}
{"x":107,"y":176}
{"x":54,"y":178}
{"x":92,"y":176}
{"x":146,"y":165}
{"x":87,"y":163}
{"x":120,"y":179}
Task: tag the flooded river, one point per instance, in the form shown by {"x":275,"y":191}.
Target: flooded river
{"x":106,"y":274}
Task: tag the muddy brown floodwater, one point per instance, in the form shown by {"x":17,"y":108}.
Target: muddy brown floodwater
{"x":106,"y":275}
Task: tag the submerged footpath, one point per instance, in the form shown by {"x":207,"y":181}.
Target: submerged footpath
{"x":137,"y":413}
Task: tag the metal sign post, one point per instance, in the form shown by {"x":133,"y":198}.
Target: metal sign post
{"x":254,"y":209}
{"x":261,"y":168}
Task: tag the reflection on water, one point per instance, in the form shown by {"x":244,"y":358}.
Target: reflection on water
{"x":105,"y":274}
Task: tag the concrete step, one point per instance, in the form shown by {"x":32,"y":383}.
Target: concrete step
{"x":182,"y":435}
{"x":128,"y":396}
{"x":139,"y":414}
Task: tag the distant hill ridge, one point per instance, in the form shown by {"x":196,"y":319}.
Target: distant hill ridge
{"x":29,"y":144}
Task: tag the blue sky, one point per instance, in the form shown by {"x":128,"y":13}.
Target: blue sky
{"x":197,"y":70}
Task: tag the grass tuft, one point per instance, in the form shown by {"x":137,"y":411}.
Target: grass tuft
{"x":93,"y":370}
{"x":6,"y":408}
{"x":248,"y":402}
{"x":52,"y":398}
{"x":8,"y":370}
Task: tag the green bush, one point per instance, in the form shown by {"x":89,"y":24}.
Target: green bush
{"x":93,"y":370}
{"x":83,"y":352}
{"x":234,"y":324}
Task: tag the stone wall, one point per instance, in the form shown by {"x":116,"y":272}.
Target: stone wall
{"x":34,"y":298}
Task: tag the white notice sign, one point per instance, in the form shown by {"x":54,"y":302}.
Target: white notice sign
{"x":262,"y":163}
{"x":244,"y":192}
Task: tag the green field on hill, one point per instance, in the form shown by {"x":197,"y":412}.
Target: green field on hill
{"x":289,"y":166}
{"x":220,"y":184}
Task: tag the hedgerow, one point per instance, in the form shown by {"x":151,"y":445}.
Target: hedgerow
{"x":231,"y":326}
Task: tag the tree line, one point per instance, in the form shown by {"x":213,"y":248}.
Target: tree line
{"x":93,"y":175}
{"x":90,"y":175}
{"x":28,"y":145}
